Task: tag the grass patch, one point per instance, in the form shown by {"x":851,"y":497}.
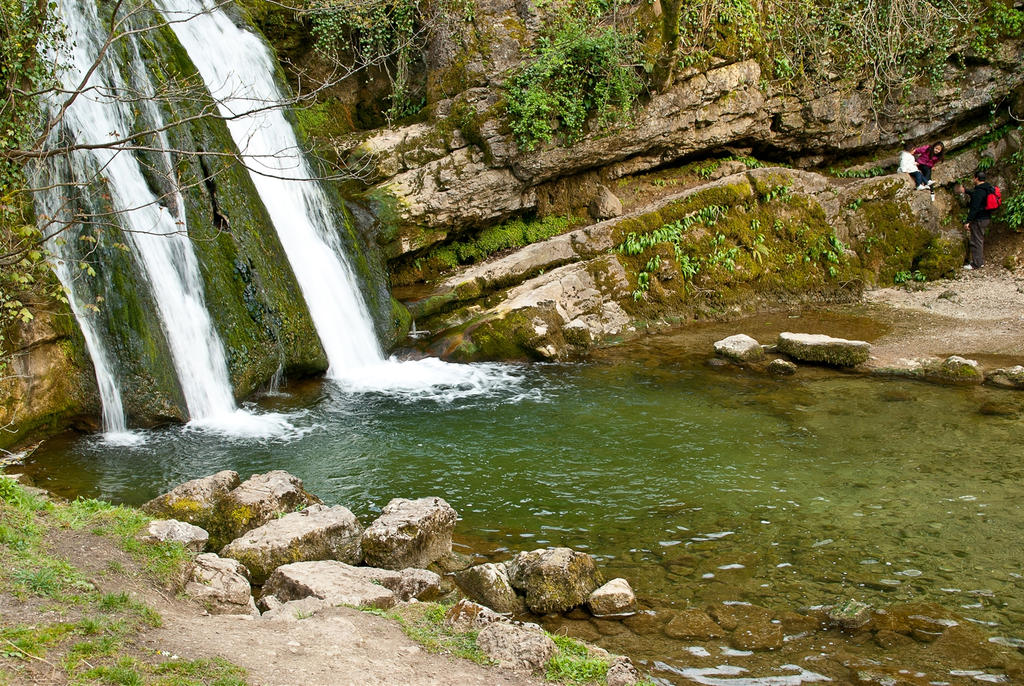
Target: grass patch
{"x":92,"y":638}
{"x":572,"y":663}
{"x":424,"y":623}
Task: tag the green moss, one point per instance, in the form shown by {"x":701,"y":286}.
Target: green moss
{"x":509,"y":337}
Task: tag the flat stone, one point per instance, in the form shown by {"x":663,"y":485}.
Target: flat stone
{"x":740,"y":348}
{"x":1007,"y":377}
{"x":615,"y":598}
{"x":297,"y":610}
{"x":315,"y":533}
{"x":192,"y":537}
{"x":554,"y":579}
{"x":488,"y":584}
{"x":606,"y":205}
{"x":729,"y":616}
{"x":336,"y":582}
{"x":256,"y":501}
{"x":194,"y":501}
{"x":835,"y":352}
{"x":520,"y":648}
{"x":693,"y":624}
{"x":410,"y":533}
{"x":757,"y":636}
{"x":221,"y":585}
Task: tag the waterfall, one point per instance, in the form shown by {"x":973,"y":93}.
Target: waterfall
{"x":239,"y":69}
{"x":157,"y":237}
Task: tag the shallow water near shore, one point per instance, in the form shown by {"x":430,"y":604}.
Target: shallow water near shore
{"x":697,"y":485}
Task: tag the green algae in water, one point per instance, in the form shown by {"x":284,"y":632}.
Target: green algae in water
{"x":697,"y":486}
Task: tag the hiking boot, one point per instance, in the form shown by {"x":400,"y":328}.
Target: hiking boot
{"x":968,"y":267}
{"x":922,"y":187}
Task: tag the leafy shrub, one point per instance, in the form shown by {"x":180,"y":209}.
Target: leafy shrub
{"x":578,"y":69}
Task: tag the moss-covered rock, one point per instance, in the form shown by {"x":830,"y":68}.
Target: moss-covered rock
{"x":554,"y":579}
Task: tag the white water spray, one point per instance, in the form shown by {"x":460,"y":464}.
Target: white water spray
{"x":158,"y":240}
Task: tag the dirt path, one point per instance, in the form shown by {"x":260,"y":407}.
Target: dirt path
{"x":979,"y":315}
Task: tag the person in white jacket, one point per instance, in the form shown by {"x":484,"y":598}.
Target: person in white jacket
{"x":908,"y":165}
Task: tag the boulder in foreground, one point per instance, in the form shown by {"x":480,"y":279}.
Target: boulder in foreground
{"x":221,"y":585}
{"x":739,"y":348}
{"x":521,"y":648}
{"x":255,"y":502}
{"x":194,"y":501}
{"x":316,"y":533}
{"x":410,"y":533}
{"x":554,"y":579}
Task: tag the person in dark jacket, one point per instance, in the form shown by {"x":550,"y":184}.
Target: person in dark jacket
{"x":978,"y":219}
{"x":927,"y":156}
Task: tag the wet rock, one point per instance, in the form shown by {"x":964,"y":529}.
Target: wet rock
{"x":693,"y":624}
{"x":608,"y":627}
{"x":520,"y":648}
{"x":606,"y":205}
{"x":1007,"y":377}
{"x":255,"y":502}
{"x":316,"y":533}
{"x":489,"y":585}
{"x":731,"y":615}
{"x":780,"y":367}
{"x":554,"y":579}
{"x":965,"y":647}
{"x":849,"y":615}
{"x":927,"y":628}
{"x":835,"y":352}
{"x":739,"y":348}
{"x":336,"y":582}
{"x":221,"y":585}
{"x":466,"y":615}
{"x":717,"y":363}
{"x":451,"y":563}
{"x":621,"y":672}
{"x":643,"y":623}
{"x":890,"y":640}
{"x":192,"y":537}
{"x":998,"y":409}
{"x":797,"y":623}
{"x":958,"y":371}
{"x":194,"y":501}
{"x":614,"y":598}
{"x":410,"y":533}
{"x":757,"y":635}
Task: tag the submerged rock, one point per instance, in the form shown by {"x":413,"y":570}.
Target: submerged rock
{"x":614,"y":598}
{"x":255,"y":502}
{"x":740,"y":348}
{"x":192,"y":537}
{"x":222,"y":586}
{"x":849,"y":615}
{"x":520,"y":648}
{"x":554,"y":579}
{"x":693,"y":624}
{"x":489,"y":585}
{"x":316,"y":533}
{"x":410,"y":533}
{"x":194,"y":501}
{"x":822,"y":349}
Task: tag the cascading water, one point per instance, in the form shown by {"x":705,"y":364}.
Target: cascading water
{"x":238,"y":68}
{"x":239,"y":71}
{"x":158,"y":239}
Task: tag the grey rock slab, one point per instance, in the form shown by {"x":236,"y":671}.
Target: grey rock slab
{"x":410,"y":533}
{"x":193,"y":501}
{"x":554,"y":579}
{"x":336,"y":582}
{"x":822,"y":349}
{"x":615,"y":598}
{"x":488,"y":584}
{"x":315,"y":533}
{"x":740,"y":348}
{"x":194,"y":538}
{"x":605,"y":205}
{"x":221,"y":585}
{"x":520,"y":648}
{"x":297,"y":610}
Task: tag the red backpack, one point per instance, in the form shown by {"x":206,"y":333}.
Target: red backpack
{"x":994,"y":199}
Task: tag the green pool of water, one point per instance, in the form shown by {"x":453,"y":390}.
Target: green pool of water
{"x":695,"y":484}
